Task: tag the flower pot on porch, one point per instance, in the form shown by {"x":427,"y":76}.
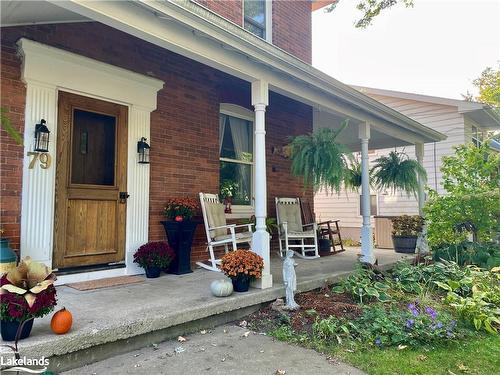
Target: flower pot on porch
{"x":152,"y":272}
{"x":404,"y":244}
{"x":241,"y":283}
{"x":10,"y":327}
{"x":324,"y":247}
{"x":180,"y":236}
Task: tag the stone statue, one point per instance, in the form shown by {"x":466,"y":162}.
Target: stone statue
{"x":290,"y":281}
{"x":422,"y":245}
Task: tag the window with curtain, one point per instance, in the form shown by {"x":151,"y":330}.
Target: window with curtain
{"x":254,"y":12}
{"x":236,"y":158}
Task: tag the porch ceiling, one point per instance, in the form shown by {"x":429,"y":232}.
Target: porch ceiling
{"x":192,"y":31}
{"x":14,"y":13}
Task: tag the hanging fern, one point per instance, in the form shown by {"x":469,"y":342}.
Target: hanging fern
{"x":397,"y":171}
{"x":352,"y":179}
{"x":319,"y":159}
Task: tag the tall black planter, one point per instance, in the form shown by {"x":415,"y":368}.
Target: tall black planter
{"x":9,"y":329}
{"x":180,"y":238}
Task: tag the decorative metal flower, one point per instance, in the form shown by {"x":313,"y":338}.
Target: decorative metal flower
{"x":28,"y":279}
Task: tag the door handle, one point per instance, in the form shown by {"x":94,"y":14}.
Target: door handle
{"x":123,"y":196}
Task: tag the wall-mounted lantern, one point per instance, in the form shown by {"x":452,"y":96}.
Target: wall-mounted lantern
{"x":42,"y":134}
{"x":143,"y":151}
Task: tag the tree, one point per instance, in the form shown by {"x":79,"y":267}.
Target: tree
{"x":488,"y":85}
{"x":371,"y":9}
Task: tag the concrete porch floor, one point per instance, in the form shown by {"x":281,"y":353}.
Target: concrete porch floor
{"x":148,"y":309}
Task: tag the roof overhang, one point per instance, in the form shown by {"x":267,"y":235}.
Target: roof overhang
{"x":485,"y":116}
{"x":186,"y":28}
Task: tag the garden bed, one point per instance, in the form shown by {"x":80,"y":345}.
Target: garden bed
{"x":419,"y":313}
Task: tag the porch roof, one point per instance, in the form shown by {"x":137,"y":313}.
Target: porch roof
{"x":193,"y":31}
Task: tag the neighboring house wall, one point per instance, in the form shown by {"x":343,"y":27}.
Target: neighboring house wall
{"x":291,"y":23}
{"x":184,"y":128}
{"x":443,"y":118}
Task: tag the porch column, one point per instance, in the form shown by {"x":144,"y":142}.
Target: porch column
{"x":419,"y":152}
{"x":366,"y":230}
{"x":260,"y":238}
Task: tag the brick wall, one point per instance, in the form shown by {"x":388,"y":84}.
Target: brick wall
{"x":291,"y":23}
{"x":184,"y":128}
{"x":292,"y":28}
{"x":230,"y":9}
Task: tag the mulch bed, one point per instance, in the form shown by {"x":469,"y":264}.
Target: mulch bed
{"x":317,"y":303}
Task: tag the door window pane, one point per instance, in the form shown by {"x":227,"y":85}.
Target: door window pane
{"x":93,"y":148}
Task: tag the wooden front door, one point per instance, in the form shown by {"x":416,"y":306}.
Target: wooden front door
{"x":90,"y":182}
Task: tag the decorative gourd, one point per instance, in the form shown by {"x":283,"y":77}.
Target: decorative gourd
{"x":61,"y":321}
{"x":221,"y":288}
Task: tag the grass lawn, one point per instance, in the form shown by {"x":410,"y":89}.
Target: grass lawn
{"x":479,"y":356}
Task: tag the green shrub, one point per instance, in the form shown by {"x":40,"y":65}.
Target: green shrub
{"x":471,"y":180}
{"x":466,"y":253}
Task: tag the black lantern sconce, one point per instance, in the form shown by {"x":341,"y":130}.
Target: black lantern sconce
{"x":143,"y":151}
{"x":42,"y":134}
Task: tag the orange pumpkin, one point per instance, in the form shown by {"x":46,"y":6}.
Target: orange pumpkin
{"x":61,"y":321}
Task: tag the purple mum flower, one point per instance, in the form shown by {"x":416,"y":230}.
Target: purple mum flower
{"x":378,"y":341}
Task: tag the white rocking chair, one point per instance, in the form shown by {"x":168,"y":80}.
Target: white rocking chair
{"x":293,"y":235}
{"x":218,"y":232}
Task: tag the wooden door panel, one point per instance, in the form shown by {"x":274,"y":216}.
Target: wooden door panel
{"x":90,"y":174}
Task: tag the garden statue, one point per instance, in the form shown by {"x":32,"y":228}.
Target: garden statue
{"x":422,"y":245}
{"x":290,"y":281}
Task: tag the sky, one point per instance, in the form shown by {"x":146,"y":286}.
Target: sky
{"x":436,"y":48}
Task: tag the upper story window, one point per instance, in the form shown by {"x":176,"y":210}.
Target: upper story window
{"x":256,"y":17}
{"x":477,"y":136}
{"x":236,"y":156}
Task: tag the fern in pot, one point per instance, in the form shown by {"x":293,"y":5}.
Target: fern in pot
{"x":397,"y":171}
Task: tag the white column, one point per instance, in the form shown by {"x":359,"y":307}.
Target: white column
{"x":260,"y":239}
{"x":38,"y":189}
{"x":137,"y":187}
{"x":419,"y":151}
{"x":366,"y":230}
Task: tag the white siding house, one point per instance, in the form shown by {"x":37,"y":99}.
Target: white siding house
{"x":459,"y":120}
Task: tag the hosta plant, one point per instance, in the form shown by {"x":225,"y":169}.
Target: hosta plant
{"x":476,"y":297}
{"x":364,"y":285}
{"x":27,"y":291}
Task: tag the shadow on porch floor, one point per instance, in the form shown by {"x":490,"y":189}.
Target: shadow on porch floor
{"x":118,"y":313}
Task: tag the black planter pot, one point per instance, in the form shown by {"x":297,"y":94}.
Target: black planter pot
{"x":324,"y":247}
{"x":241,"y":283}
{"x":9,"y":329}
{"x":152,"y":272}
{"x":180,"y":238}
{"x":403,"y":244}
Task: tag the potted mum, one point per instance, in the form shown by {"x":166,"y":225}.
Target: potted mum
{"x":180,"y":228}
{"x":242,"y":266}
{"x":153,"y":257}
{"x":27,"y":292}
{"x":405,"y":230}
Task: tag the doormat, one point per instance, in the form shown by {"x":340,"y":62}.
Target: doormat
{"x":105,"y":283}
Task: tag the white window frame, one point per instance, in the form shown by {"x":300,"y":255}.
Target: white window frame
{"x":477,"y":136}
{"x":241,"y":211}
{"x":268,"y":25}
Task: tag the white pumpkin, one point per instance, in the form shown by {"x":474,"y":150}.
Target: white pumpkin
{"x":221,"y":288}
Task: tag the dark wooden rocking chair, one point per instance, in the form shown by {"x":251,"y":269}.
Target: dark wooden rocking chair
{"x":327,"y":230}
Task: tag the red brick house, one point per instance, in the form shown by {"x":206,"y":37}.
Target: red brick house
{"x":176,"y":73}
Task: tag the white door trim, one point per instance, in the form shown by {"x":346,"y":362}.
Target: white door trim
{"x":47,"y":70}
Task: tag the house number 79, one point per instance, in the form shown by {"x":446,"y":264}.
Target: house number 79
{"x":43,"y":157}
